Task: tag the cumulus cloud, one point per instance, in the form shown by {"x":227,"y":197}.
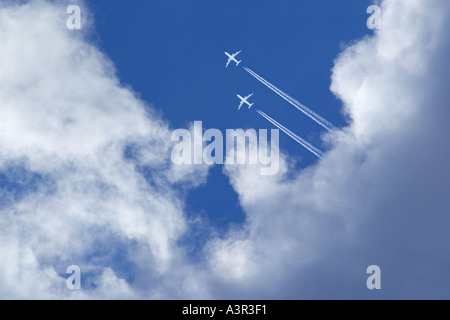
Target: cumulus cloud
{"x":379,"y":194}
{"x":88,"y":178}
{"x":102,"y":195}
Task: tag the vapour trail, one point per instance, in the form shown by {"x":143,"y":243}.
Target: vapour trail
{"x":321,"y":121}
{"x":298,"y":139}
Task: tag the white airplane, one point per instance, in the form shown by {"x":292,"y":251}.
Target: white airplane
{"x":232,"y":57}
{"x":244,"y":101}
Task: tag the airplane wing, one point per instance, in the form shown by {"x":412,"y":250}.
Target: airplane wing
{"x":228,"y":62}
{"x":237,"y":53}
{"x":240,"y":105}
{"x":248,"y":96}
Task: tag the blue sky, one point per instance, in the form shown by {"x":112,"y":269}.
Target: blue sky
{"x":172,"y":54}
{"x":86,"y":177}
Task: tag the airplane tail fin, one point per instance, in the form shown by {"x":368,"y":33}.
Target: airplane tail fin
{"x":238,"y":63}
{"x":251,"y":105}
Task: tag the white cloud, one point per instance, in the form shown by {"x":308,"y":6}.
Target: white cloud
{"x":66,"y":118}
{"x":377,"y":197}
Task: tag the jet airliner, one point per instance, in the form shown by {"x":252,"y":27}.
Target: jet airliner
{"x":232,"y":57}
{"x":244,"y":101}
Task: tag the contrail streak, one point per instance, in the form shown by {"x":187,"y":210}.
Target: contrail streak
{"x":298,"y":139}
{"x":321,"y":121}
